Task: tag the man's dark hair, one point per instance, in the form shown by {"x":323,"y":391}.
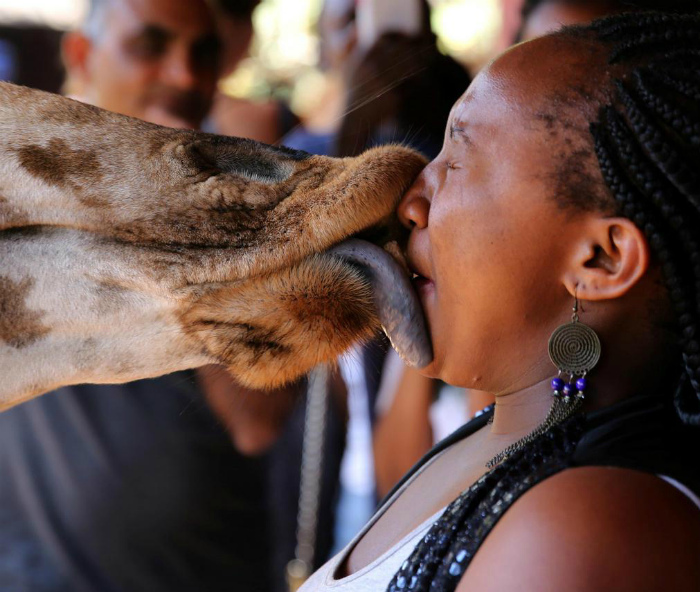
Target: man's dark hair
{"x":647,"y":143}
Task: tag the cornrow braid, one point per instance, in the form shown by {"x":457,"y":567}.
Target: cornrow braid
{"x":663,"y":153}
{"x":616,"y":150}
{"x":685,"y":83}
{"x":650,"y":93}
{"x":647,"y":144}
{"x":644,"y":24}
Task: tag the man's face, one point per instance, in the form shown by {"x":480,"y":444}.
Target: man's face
{"x":156,"y":60}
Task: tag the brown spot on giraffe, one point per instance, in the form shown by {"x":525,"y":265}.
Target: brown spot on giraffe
{"x":57,"y":162}
{"x":109,"y":297}
{"x":66,"y":113}
{"x":19,"y":325}
{"x":59,"y":165}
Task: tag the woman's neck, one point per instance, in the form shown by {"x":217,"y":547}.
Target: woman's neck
{"x":519,"y":411}
{"x":637,"y":359}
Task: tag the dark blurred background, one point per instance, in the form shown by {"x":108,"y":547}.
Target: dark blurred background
{"x":29,"y":55}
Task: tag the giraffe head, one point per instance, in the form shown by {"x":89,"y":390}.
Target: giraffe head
{"x":129,"y":250}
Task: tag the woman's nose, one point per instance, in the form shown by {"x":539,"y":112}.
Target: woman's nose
{"x":414,"y":207}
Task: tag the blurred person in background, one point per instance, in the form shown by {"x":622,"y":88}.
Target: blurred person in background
{"x":8,"y":61}
{"x":398,"y":90}
{"x":410,"y":419}
{"x":154,"y":485}
{"x":24,"y":47}
{"x":540,"y":17}
{"x":158,"y":61}
{"x":262,"y":120}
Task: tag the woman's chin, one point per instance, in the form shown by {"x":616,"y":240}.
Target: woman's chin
{"x":429,"y":371}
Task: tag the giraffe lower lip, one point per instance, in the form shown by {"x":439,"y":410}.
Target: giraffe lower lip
{"x":398,"y":308}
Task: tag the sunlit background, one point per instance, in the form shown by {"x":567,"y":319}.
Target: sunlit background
{"x":284,"y":55}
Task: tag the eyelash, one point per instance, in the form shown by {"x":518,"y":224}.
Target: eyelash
{"x":452,"y":166}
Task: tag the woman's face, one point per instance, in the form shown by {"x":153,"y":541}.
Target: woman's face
{"x":488,"y":238}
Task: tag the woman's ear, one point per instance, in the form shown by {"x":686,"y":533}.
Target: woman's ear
{"x":612,"y":256}
{"x":75,"y":51}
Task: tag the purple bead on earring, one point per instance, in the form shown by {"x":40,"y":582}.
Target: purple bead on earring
{"x":581,"y":384}
{"x":557,"y":385}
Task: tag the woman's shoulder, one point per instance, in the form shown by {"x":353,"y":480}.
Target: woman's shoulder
{"x":593,"y":528}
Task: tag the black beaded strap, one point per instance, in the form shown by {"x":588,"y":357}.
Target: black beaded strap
{"x":440,"y":559}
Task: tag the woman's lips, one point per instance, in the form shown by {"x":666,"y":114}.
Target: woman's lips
{"x":422,"y":284}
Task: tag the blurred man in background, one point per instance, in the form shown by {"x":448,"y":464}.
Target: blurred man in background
{"x":156,"y":60}
{"x":138,"y":487}
{"x":399,"y":89}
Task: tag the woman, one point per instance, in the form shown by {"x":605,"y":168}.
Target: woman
{"x":404,"y":431}
{"x":568,"y":180}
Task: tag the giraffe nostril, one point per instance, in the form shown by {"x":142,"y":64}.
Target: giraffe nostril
{"x":243,"y":158}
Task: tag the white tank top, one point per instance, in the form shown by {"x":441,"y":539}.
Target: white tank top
{"x":376,"y":575}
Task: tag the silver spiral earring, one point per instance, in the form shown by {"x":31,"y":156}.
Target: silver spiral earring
{"x":574,"y":349}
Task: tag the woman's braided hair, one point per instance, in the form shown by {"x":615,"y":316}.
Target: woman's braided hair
{"x":647,"y":141}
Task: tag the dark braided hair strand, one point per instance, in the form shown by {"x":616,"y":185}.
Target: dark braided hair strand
{"x":648,"y":148}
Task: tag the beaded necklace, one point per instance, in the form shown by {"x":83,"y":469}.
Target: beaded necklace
{"x":440,"y":559}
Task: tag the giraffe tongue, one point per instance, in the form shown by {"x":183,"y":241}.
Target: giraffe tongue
{"x":398,"y":308}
